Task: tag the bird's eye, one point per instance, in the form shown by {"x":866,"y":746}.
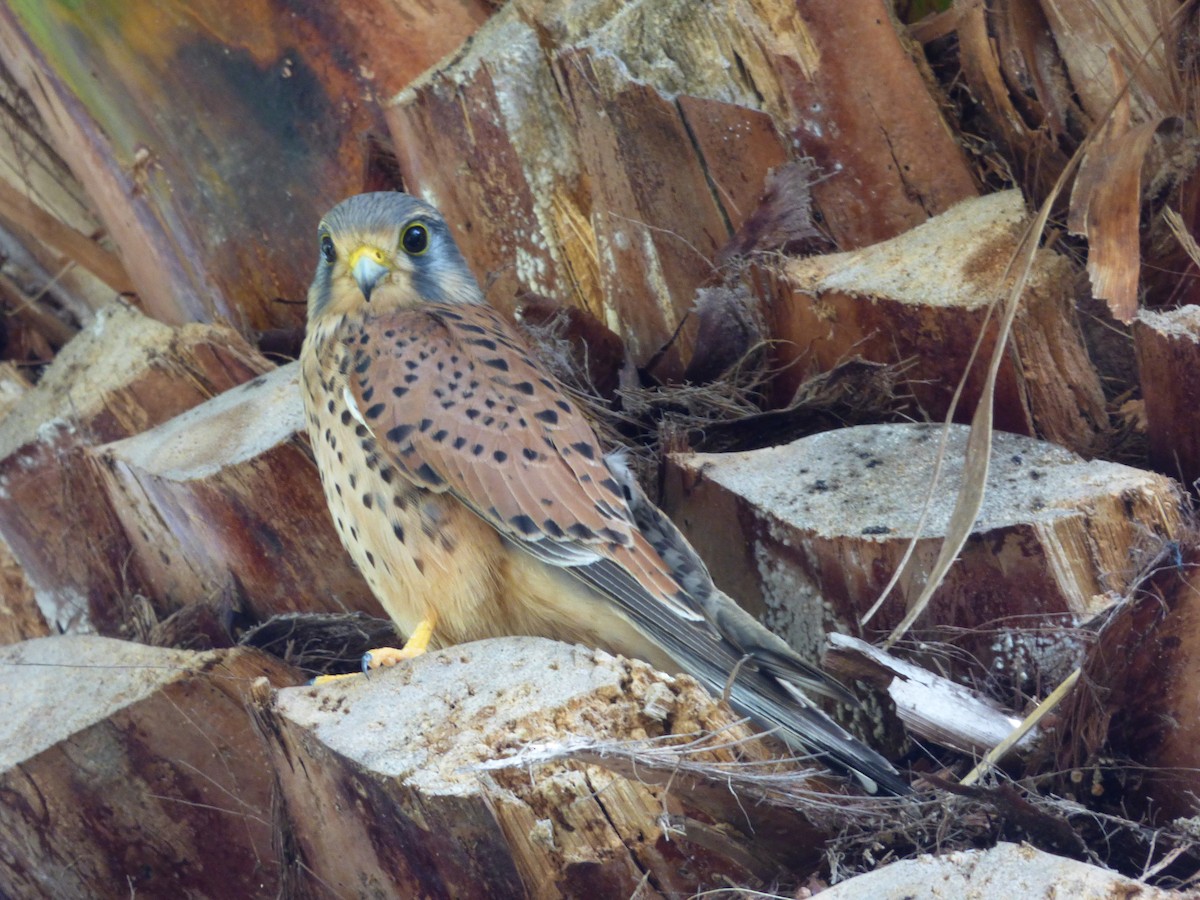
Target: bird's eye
{"x":415,"y":239}
{"x":327,"y":249}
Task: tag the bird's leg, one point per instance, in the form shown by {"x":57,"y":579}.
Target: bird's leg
{"x":417,"y":643}
{"x":386,"y":657}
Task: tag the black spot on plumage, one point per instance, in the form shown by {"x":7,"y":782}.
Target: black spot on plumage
{"x":390,"y":333}
{"x":425,"y":425}
{"x":398,"y":531}
{"x":473,"y":414}
{"x":364,"y":337}
{"x":441,"y":366}
{"x":387,"y":473}
{"x":420,"y":564}
{"x":546,"y":382}
{"x":615,"y":536}
{"x":363,"y":366}
{"x":368,"y":394}
{"x":353,"y":481}
{"x":523,"y":387}
{"x":399,"y":502}
{"x":500,"y":456}
{"x":488,"y":420}
{"x":489,"y":403}
{"x":530,"y":454}
{"x":474,"y":329}
{"x":344,"y":365}
{"x":524,"y":524}
{"x":345,"y":417}
{"x":368,"y":501}
{"x":426,"y":474}
{"x":411,"y":364}
{"x":337,"y":487}
{"x":439,"y":435}
{"x":549,"y":416}
{"x":477,"y":450}
{"x":411,"y":379}
{"x":551,"y":528}
{"x":374,"y":411}
{"x":399,"y":391}
{"x":459,"y":443}
{"x":497,"y":363}
{"x":399,"y":433}
{"x":331,"y":406}
{"x":612,"y":487}
{"x":361,"y":431}
{"x":563,"y":405}
{"x":584,"y":449}
{"x":580,"y":532}
{"x":371,"y":558}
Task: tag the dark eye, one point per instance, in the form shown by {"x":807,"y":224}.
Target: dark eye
{"x":415,"y":239}
{"x":327,"y":249}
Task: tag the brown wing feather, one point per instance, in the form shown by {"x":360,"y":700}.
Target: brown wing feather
{"x":455,"y":399}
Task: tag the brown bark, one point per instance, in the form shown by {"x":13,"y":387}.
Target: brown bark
{"x":122,"y":375}
{"x":211,"y":158}
{"x":809,"y":533}
{"x":395,"y":786}
{"x":1168,"y":357}
{"x":130,"y":770}
{"x":613,"y":175}
{"x":921,"y":300}
{"x":227,"y":494}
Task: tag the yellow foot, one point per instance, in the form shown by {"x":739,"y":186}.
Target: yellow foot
{"x":386,"y":657}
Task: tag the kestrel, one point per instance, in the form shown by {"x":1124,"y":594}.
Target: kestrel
{"x":474,"y":495}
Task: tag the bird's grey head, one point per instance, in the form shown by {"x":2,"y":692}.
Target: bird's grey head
{"x":379,"y":252}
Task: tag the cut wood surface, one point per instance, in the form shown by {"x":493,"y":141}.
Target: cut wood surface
{"x":609,"y":172}
{"x":123,"y":374}
{"x":1168,"y":356}
{"x":922,"y":299}
{"x":1006,"y":870}
{"x":129,"y":770}
{"x":809,"y":533}
{"x":390,"y":788}
{"x":227,"y":494}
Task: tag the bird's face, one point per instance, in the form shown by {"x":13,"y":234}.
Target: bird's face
{"x":386,"y":251}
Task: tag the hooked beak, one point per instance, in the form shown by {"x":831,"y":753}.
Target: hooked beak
{"x":368,"y":264}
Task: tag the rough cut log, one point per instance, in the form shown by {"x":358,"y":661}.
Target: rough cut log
{"x":269,"y":105}
{"x":30,"y":164}
{"x":608,"y":174}
{"x":20,"y":617}
{"x":1006,"y":870}
{"x":808,"y":534}
{"x":124,"y":374}
{"x":391,"y":789}
{"x":133,"y":771}
{"x":1168,"y":357}
{"x":227,"y":494}
{"x":921,"y":300}
{"x":1138,"y":699}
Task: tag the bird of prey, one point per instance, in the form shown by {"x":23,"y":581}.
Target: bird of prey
{"x":473,"y":494}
